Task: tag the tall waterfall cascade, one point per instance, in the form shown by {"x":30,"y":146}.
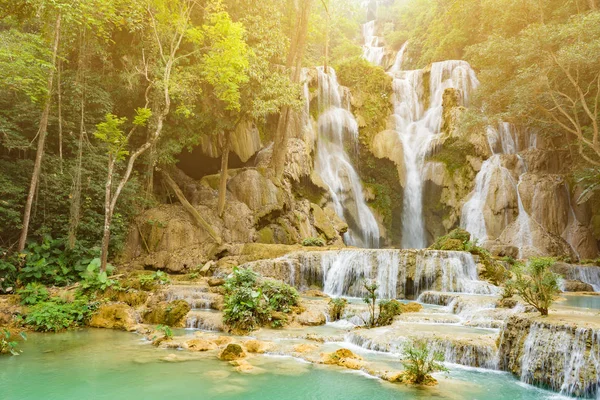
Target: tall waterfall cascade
{"x":502,"y":141}
{"x":373,"y":51}
{"x":418,"y":120}
{"x":337,"y":128}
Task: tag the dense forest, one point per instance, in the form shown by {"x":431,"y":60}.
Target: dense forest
{"x":249,"y":166}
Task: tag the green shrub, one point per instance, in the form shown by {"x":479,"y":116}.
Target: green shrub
{"x":51,"y":262}
{"x":421,"y":362}
{"x":337,"y":306}
{"x":9,"y":344}
{"x":33,"y":293}
{"x":165,"y":330}
{"x":281,"y":297}
{"x":94,"y":280}
{"x":388,"y":309}
{"x":456,"y":240}
{"x":313,"y":242}
{"x":8,"y":271}
{"x":56,"y":315}
{"x":249,"y":303}
{"x":536,"y":284}
{"x":147,"y":282}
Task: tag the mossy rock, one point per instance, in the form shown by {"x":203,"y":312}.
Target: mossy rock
{"x":118,"y":316}
{"x":232,"y":352}
{"x":168,"y":313}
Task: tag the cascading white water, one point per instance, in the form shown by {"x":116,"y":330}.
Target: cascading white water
{"x":502,"y":141}
{"x":565,"y":359}
{"x":587,"y":274}
{"x":452,"y":271}
{"x":417,"y":126}
{"x":337,"y":129}
{"x":397,"y":67}
{"x":372,"y":50}
{"x":342,"y":273}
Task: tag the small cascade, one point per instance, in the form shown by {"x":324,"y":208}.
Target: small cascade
{"x":418,"y":118}
{"x":449,"y":271}
{"x":204,"y":320}
{"x":373,"y":51}
{"x":397,"y":67}
{"x":562,"y":357}
{"x":480,"y":353}
{"x":338,"y":128}
{"x":198,"y":297}
{"x":398,"y":273}
{"x":587,"y":274}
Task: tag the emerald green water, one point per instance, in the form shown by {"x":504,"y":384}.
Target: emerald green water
{"x":103,"y":364}
{"x":581,"y":301}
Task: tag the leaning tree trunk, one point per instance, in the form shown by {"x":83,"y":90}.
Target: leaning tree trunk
{"x":43,"y":127}
{"x":223,"y":177}
{"x":190,"y":208}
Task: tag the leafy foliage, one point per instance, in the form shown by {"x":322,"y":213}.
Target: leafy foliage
{"x":421,"y":361}
{"x":57,"y":314}
{"x":385,"y":313}
{"x":337,"y":306}
{"x":536,"y":284}
{"x":8,"y":342}
{"x":33,"y":293}
{"x":249,"y":303}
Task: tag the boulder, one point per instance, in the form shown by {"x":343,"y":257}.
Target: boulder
{"x":311,"y":318}
{"x":200,"y":345}
{"x":577,"y":286}
{"x":256,"y":346}
{"x":305,"y":348}
{"x":411,"y":307}
{"x":118,"y":316}
{"x":212,"y":282}
{"x":168,"y":313}
{"x":344,"y":358}
{"x":232,"y":352}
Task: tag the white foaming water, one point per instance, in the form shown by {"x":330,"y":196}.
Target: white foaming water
{"x":502,"y":141}
{"x":568,"y":357}
{"x":451,"y":271}
{"x":397,"y":67}
{"x":372,"y":50}
{"x":585,"y":274}
{"x":338,"y":127}
{"x":342,"y":273}
{"x":417,"y":124}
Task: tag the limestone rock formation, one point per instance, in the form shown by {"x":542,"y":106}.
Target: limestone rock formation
{"x":118,"y":316}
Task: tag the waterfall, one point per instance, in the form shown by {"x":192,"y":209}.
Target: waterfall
{"x":562,"y":357}
{"x":502,"y":141}
{"x":372,"y":50}
{"x":397,"y":67}
{"x":417,"y":126}
{"x":450,"y":271}
{"x":337,"y":128}
{"x":587,"y":274}
{"x":398,"y":273}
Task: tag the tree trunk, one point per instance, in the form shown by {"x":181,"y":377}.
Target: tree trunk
{"x":190,"y":208}
{"x":43,"y":126}
{"x":544,"y":311}
{"x":108,"y":213}
{"x":60,"y":121}
{"x":223,"y":178}
{"x":294,"y":62}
